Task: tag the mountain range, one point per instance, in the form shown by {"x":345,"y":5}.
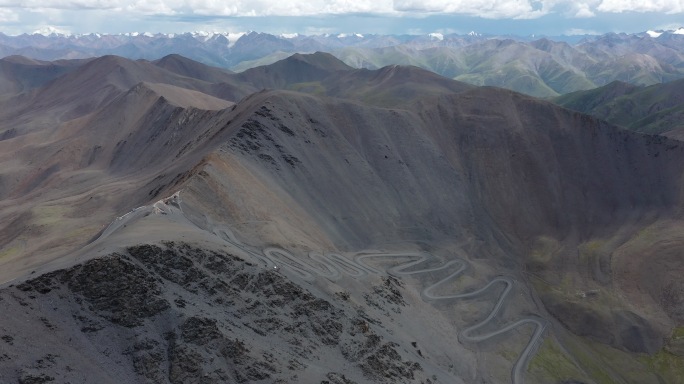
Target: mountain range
{"x":307,"y":221}
{"x":542,"y":67}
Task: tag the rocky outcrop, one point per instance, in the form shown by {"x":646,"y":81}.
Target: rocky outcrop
{"x":174,"y":313}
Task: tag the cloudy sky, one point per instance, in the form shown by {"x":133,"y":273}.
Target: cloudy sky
{"x":519,"y":17}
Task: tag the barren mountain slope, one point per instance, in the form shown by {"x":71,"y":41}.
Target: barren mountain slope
{"x":19,"y":74}
{"x":60,"y":186}
{"x":389,"y":86}
{"x":294,"y":69}
{"x":224,"y":84}
{"x":190,"y":68}
{"x":90,"y":87}
{"x":503,"y":179}
{"x":479,"y":236}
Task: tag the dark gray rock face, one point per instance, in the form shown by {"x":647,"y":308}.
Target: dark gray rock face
{"x":173,"y":313}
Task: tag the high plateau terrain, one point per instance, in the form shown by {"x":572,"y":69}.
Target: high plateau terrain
{"x":164,"y":221}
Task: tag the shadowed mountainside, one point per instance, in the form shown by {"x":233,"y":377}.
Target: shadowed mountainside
{"x":566,"y":204}
{"x":190,"y":68}
{"x":19,"y":74}
{"x":294,"y":69}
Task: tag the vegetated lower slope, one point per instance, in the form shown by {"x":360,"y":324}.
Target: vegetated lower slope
{"x":540,"y":68}
{"x":656,"y":109}
{"x":565,"y":203}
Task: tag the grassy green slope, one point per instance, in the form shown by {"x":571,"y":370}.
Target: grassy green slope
{"x":656,"y":109}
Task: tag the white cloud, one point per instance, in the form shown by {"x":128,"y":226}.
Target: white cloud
{"x":152,"y":7}
{"x":583,"y":10}
{"x":7,"y":16}
{"x":664,"y":6}
{"x":492,"y":9}
{"x":288,"y":8}
{"x":60,"y":4}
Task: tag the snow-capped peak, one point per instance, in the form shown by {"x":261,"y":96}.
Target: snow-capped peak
{"x":233,"y":37}
{"x":679,"y":31}
{"x":654,"y":34}
{"x":206,"y":36}
{"x":289,"y":35}
{"x":343,"y":35}
{"x":436,"y":35}
{"x":50,"y":30}
{"x":473,"y":33}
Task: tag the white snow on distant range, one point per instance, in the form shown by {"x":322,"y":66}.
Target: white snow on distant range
{"x":206,"y":36}
{"x":657,"y":33}
{"x":233,"y":37}
{"x":50,"y":30}
{"x":289,"y":35}
{"x":436,"y":35}
{"x":343,"y":35}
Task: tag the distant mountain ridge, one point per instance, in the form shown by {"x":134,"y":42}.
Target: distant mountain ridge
{"x":656,"y":109}
{"x":542,"y":67}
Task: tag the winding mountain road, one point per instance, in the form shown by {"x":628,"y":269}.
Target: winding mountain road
{"x":333,"y":265}
{"x":468,"y":334}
